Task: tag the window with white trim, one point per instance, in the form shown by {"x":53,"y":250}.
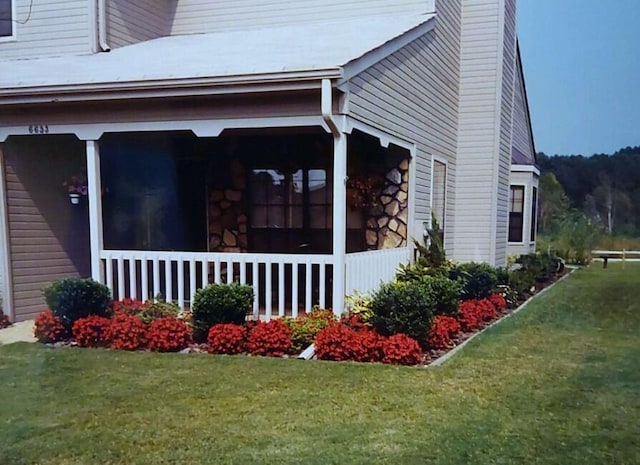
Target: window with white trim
{"x":516,"y":213}
{"x":534,"y":212}
{"x":439,"y":192}
{"x":6,"y":18}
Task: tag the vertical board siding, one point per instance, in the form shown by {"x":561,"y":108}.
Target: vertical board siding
{"x":413,"y":94}
{"x":484,"y":143}
{"x":55,"y":28}
{"x":193,"y":16}
{"x":48,"y":237}
{"x":131,"y":22}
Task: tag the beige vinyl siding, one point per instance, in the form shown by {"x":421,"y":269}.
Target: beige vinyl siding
{"x":192,"y":16}
{"x":130,"y":22}
{"x":55,"y":28}
{"x":484,"y":143}
{"x":48,"y":236}
{"x":413,"y":94}
{"x":521,"y":135}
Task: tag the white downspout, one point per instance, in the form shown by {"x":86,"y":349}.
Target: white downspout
{"x":339,"y":198}
{"x":102,"y":26}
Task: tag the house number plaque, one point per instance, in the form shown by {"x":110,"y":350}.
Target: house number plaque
{"x":39,"y":129}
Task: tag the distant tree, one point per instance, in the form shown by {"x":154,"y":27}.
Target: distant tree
{"x":610,"y":202}
{"x":553,"y":204}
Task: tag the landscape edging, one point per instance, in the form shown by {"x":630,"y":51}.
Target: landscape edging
{"x":444,"y":358}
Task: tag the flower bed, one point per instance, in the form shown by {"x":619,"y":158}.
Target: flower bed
{"x":413,"y":320}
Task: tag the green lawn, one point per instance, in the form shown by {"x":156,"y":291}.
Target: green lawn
{"x":559,"y":383}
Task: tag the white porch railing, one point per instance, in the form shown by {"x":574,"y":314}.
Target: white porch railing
{"x":367,"y":270}
{"x":280,"y":282}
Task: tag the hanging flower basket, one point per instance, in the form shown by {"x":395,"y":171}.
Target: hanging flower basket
{"x":363,"y":192}
{"x":76,"y":187}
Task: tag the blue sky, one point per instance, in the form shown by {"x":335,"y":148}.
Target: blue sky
{"x":582,"y":68}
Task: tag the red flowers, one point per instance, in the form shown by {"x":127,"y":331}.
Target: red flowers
{"x":127,"y":333}
{"x":91,"y":331}
{"x":272,"y":339}
{"x":227,"y":338}
{"x":168,"y":335}
{"x":443,"y":329}
{"x":402,"y":350}
{"x":49,"y":328}
{"x":340,"y":343}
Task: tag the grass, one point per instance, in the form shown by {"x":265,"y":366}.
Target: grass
{"x":556,"y":384}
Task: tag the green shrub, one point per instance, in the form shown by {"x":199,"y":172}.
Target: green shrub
{"x":305,"y":327}
{"x":417,"y":271}
{"x":156,"y":309}
{"x":403,"y":308}
{"x":478,"y":279}
{"x":72,"y":298}
{"x":220,"y":303}
{"x":446,"y":294}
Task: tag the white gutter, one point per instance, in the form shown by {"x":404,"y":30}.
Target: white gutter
{"x":102,"y":26}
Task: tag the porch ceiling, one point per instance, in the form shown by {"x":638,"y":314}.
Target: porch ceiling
{"x":304,"y":51}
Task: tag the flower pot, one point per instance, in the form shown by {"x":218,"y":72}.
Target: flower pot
{"x":74,"y":199}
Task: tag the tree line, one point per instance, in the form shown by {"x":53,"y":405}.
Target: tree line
{"x":603,"y":189}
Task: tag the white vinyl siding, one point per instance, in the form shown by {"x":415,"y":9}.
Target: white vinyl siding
{"x":484,"y":143}
{"x":55,"y":28}
{"x":195,"y":16}
{"x":413,"y":95}
{"x":131,"y":22}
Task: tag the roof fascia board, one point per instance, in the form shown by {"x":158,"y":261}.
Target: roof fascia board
{"x":526,"y":99}
{"x":299,"y":80}
{"x":358,"y":65}
{"x":201,"y":128}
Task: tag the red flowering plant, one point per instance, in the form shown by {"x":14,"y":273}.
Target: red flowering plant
{"x":227,"y":338}
{"x":127,"y":332}
{"x":400,"y":349}
{"x":169,"y":334}
{"x":76,"y":184}
{"x":49,"y":328}
{"x":443,"y":329}
{"x":91,"y":331}
{"x":498,"y":301}
{"x":469,"y":316}
{"x":341,"y":343}
{"x":271,"y":339}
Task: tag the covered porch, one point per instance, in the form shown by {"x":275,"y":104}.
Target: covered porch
{"x":173,"y":206}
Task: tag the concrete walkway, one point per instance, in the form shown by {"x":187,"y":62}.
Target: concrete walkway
{"x":22,"y":331}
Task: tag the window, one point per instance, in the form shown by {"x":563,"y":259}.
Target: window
{"x":534,"y":212}
{"x":6,"y":18}
{"x":516,"y":210}
{"x":438,"y":192}
{"x":291,"y":211}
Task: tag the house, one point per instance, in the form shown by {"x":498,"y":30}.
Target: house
{"x":295,"y":146}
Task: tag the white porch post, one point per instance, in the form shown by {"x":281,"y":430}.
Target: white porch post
{"x":339,"y":220}
{"x":95,"y":209}
{"x":6,"y":291}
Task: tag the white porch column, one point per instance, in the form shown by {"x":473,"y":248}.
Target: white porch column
{"x":6,"y":287}
{"x":339,"y":220}
{"x":95,"y":209}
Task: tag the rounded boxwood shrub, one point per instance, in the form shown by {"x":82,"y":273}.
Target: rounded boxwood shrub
{"x":478,"y":279}
{"x":403,"y":307}
{"x":220,"y":303}
{"x":445,"y":292}
{"x":73,"y":298}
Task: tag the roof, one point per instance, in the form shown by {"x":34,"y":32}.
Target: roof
{"x":321,"y":48}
